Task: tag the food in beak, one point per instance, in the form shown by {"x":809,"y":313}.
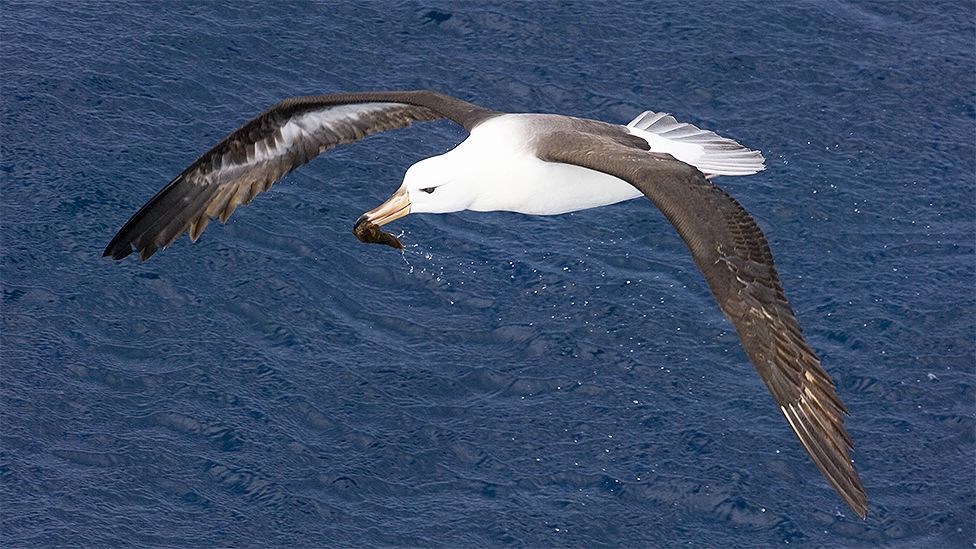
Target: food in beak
{"x":370,"y":233}
{"x":367,"y":228}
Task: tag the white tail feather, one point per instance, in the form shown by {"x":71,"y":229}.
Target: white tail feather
{"x":703,"y":149}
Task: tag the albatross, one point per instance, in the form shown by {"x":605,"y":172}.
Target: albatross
{"x":539,"y":164}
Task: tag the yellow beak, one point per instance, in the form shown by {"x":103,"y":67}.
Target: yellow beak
{"x":395,"y":207}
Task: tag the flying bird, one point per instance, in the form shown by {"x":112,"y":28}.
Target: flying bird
{"x":539,"y":164}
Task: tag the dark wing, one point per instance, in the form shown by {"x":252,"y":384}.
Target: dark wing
{"x":734,"y":256}
{"x":269,"y":146}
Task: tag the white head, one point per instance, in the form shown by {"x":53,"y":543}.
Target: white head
{"x":437,"y":185}
{"x":433,"y":185}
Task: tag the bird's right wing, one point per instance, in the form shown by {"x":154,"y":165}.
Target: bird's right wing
{"x":267,"y":147}
{"x":735,"y":258}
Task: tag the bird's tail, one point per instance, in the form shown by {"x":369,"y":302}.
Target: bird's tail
{"x":703,"y":149}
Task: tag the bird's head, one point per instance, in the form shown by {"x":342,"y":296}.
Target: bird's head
{"x":432,"y":185}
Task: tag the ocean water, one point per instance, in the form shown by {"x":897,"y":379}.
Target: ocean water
{"x":507,"y":380}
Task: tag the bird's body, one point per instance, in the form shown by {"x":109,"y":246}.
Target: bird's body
{"x":539,"y":164}
{"x":502,"y":172}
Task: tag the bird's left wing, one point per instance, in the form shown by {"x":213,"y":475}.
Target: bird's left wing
{"x":734,"y":256}
{"x":267,"y":147}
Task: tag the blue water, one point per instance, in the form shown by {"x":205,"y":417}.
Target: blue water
{"x":509,"y":380}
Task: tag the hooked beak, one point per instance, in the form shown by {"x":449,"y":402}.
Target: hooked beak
{"x":395,"y":207}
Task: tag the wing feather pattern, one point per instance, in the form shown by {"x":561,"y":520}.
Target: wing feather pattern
{"x":264,"y":149}
{"x":735,"y":258}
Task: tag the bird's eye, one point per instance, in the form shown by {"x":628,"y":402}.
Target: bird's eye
{"x":428,"y":190}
